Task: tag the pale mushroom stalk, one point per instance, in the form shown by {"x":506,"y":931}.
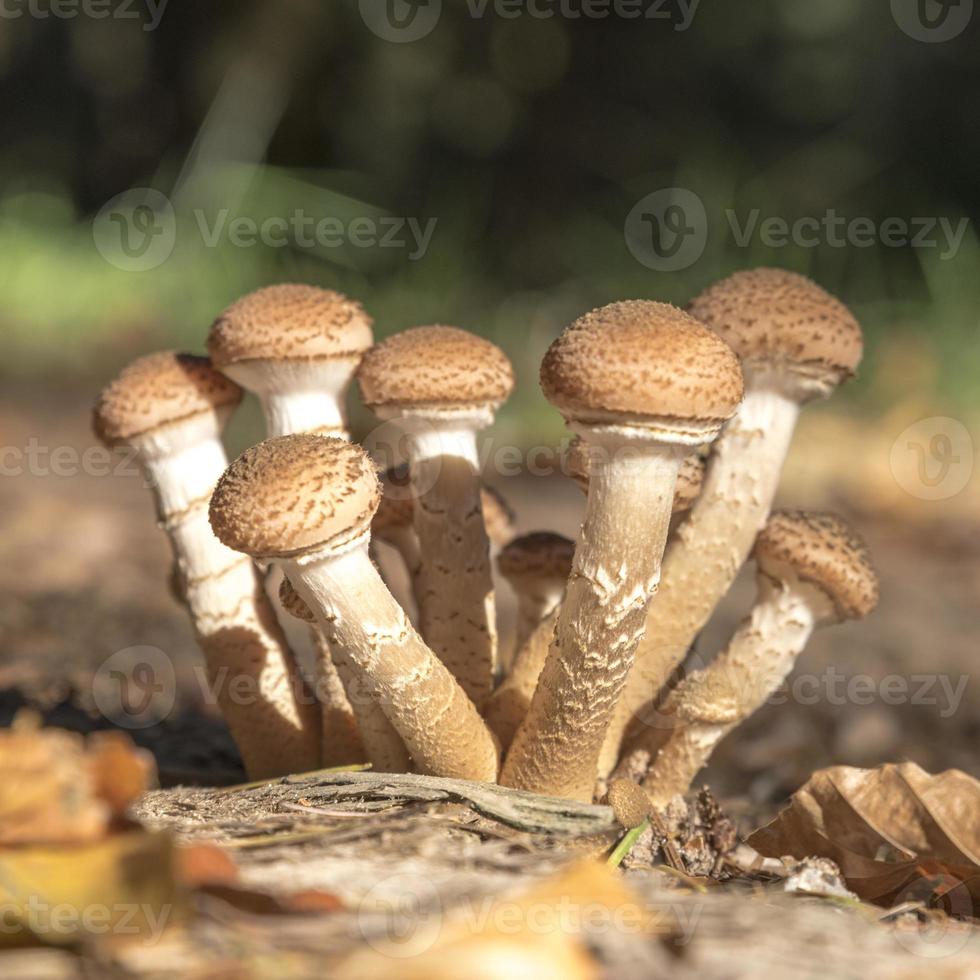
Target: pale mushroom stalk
{"x":171,"y":409}
{"x":797,"y":343}
{"x":812,"y":571}
{"x":692,"y":383}
{"x":306,"y":503}
{"x":440,"y":386}
{"x":712,"y":543}
{"x":296,"y":348}
{"x":372,"y":734}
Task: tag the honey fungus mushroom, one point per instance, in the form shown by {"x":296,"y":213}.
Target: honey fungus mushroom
{"x":796,"y":343}
{"x":306,"y":503}
{"x":440,"y":385}
{"x":812,"y":571}
{"x":643,"y":383}
{"x":170,"y":409}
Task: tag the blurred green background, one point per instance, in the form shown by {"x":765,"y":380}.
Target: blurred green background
{"x":528,"y":138}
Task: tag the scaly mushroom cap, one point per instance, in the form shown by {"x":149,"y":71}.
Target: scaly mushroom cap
{"x":291,"y":322}
{"x":690,"y":478}
{"x":294,"y":494}
{"x":398,"y":506}
{"x":293,"y":602}
{"x":435,"y":367}
{"x":539,"y":555}
{"x":158,"y":390}
{"x":775,"y":314}
{"x":641,"y":360}
{"x":824,"y":550}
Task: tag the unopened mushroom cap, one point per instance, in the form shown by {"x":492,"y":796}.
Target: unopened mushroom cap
{"x":290,"y":322}
{"x":690,"y":477}
{"x":822,"y":549}
{"x":293,"y":602}
{"x":772,"y":313}
{"x":294,"y":494}
{"x":539,"y":555}
{"x":435,"y":367}
{"x":641,"y":360}
{"x":629,"y":802}
{"x":157,"y":390}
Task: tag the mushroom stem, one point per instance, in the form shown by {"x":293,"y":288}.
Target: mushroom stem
{"x":438,"y":724}
{"x":709,"y":704}
{"x":455,"y":580}
{"x":614,"y":576}
{"x":274,"y":727}
{"x":712,"y":544}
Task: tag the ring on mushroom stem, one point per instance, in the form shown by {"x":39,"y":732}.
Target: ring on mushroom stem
{"x":170,"y":408}
{"x":812,"y":571}
{"x":643,"y":383}
{"x":796,"y":343}
{"x":296,"y":347}
{"x":440,"y":385}
{"x":306,"y":503}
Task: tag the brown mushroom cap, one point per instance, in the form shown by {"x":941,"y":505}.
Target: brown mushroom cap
{"x":641,"y":360}
{"x":629,"y":801}
{"x":539,"y":555}
{"x":157,"y":390}
{"x":775,"y":314}
{"x":293,"y":602}
{"x":824,"y":550}
{"x":294,"y":494}
{"x":690,"y":478}
{"x":290,"y":322}
{"x":435,"y":367}
{"x":397,"y":507}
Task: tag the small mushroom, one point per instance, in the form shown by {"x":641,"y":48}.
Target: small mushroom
{"x":537,"y":567}
{"x":170,"y":409}
{"x":796,"y":343}
{"x":643,"y":383}
{"x":345,"y":700}
{"x":306,"y":503}
{"x":812,"y":571}
{"x":297,"y":347}
{"x":440,"y":385}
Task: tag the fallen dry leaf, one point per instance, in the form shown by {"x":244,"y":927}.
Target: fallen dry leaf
{"x":896,"y":832}
{"x":58,"y":788}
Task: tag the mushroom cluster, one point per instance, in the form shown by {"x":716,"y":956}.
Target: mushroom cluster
{"x":682,"y":421}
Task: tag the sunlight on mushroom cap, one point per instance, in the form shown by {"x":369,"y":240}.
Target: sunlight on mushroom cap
{"x":772,"y":313}
{"x":158,"y":390}
{"x":824,"y":550}
{"x":641,"y":360}
{"x":293,"y":494}
{"x":290,"y":322}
